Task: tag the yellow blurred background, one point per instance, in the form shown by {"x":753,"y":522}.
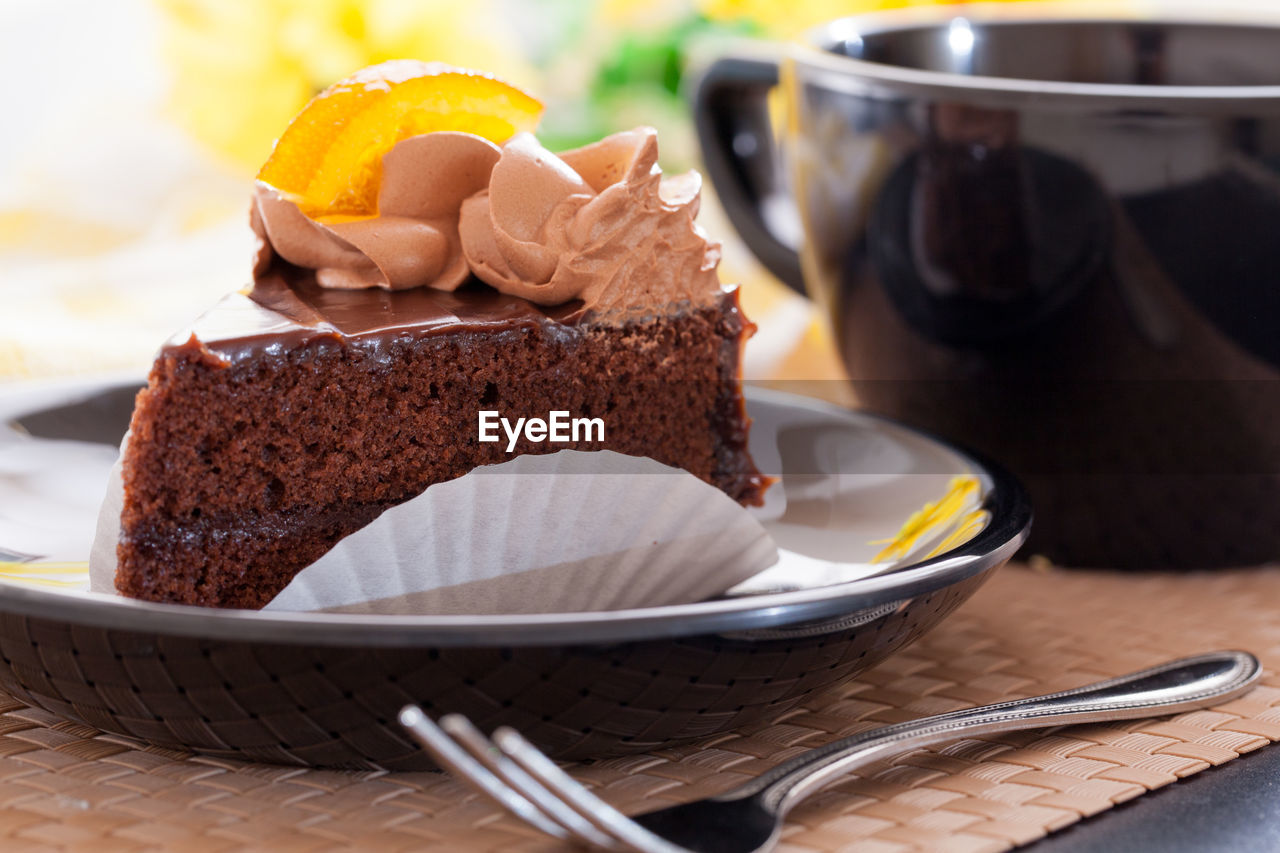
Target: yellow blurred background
{"x":133,"y":129}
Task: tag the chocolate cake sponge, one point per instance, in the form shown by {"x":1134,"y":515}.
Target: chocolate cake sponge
{"x":292,"y":416}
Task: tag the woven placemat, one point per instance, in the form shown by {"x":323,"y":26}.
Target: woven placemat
{"x":68,"y":787}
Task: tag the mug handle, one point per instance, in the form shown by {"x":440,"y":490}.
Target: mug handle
{"x":732,"y":121}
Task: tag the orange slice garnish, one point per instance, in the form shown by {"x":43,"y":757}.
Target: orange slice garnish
{"x":329,"y":159}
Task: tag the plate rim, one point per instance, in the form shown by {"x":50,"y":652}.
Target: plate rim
{"x":1007,"y":502}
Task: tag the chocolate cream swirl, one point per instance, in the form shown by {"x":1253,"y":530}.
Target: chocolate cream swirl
{"x":598,"y":224}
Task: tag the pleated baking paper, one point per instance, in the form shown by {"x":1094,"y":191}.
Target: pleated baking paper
{"x":562,"y":532}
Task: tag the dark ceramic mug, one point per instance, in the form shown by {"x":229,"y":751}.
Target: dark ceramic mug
{"x":1055,"y":240}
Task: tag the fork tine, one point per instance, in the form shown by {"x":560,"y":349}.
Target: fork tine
{"x":454,"y":758}
{"x":465,"y":733}
{"x":604,"y":816}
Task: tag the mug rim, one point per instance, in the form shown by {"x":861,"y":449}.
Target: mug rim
{"x":815,"y":50}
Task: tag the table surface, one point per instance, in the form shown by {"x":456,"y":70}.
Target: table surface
{"x":1232,"y":807}
{"x":67,"y":787}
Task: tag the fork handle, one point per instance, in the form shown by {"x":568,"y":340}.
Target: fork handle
{"x":1174,"y":687}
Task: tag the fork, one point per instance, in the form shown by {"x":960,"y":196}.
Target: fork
{"x":519,"y":777}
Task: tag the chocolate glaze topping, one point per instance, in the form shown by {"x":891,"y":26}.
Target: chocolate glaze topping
{"x":286,"y":308}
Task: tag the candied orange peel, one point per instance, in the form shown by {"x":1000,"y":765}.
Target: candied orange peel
{"x":329,"y":159}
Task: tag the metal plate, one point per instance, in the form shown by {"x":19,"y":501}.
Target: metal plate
{"x":323,"y":689}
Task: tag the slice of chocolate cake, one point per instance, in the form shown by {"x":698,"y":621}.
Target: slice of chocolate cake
{"x":353,"y":374}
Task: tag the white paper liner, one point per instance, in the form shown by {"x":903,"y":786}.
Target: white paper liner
{"x":106,"y":532}
{"x":562,"y":532}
